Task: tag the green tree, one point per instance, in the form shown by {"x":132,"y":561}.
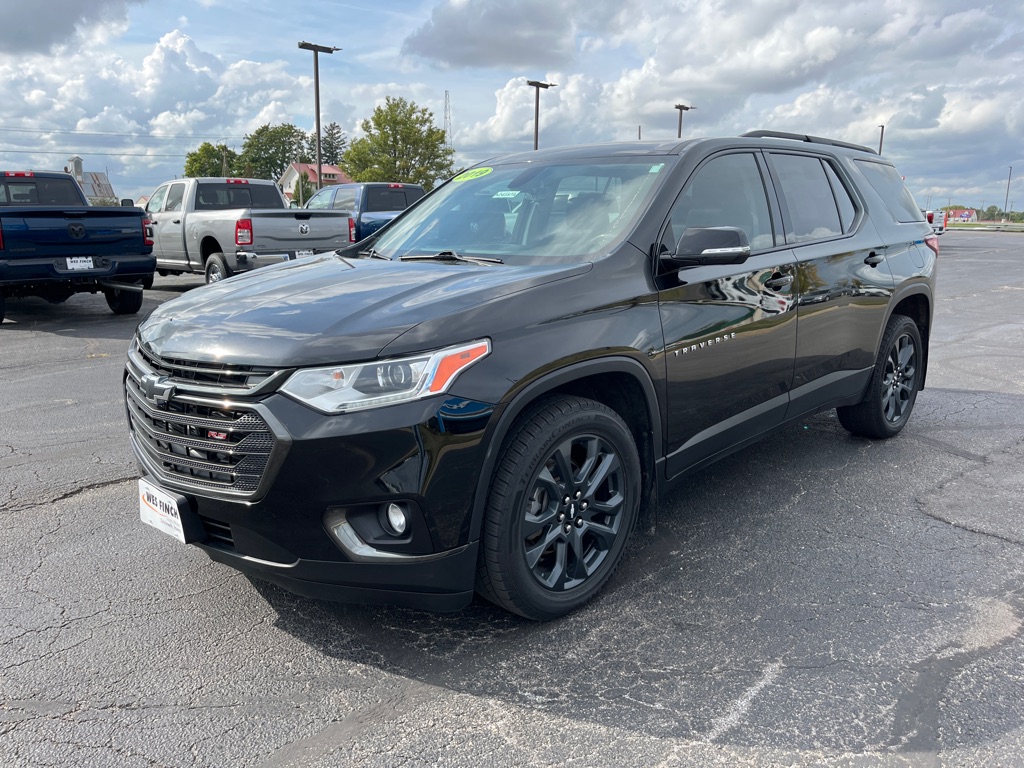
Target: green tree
{"x":302,"y":190}
{"x":401,"y":144}
{"x":209,"y":160}
{"x":332,"y":144}
{"x":269,"y":150}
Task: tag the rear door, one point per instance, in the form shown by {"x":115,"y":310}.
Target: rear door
{"x":843,"y":280}
{"x":730,"y":330}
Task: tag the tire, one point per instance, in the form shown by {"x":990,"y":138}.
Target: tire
{"x":147,"y":282}
{"x":564,"y":499}
{"x":216,"y":268}
{"x":3,"y":307}
{"x":123,"y":302}
{"x":894,"y":385}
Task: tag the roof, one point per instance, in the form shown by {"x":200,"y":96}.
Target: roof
{"x":309,"y":169}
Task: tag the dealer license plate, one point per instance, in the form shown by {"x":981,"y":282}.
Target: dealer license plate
{"x":300,"y":254}
{"x":80,"y":262}
{"x":160,"y":510}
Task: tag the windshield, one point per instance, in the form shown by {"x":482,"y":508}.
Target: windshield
{"x":528,"y":212}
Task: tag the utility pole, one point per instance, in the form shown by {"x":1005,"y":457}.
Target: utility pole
{"x":317,"y":50}
{"x":1006,"y":201}
{"x":881,"y":137}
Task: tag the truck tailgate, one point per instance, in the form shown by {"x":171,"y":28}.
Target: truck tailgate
{"x":298,"y":230}
{"x":43,"y":232}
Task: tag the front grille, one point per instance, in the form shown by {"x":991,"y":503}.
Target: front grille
{"x":213,"y":374}
{"x":191,"y":440}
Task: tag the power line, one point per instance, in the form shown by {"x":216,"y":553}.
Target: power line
{"x":136,"y":135}
{"x":69,"y":152}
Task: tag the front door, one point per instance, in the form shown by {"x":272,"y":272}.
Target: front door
{"x":730,"y":330}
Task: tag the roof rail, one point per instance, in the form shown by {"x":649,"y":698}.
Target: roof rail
{"x":805,"y":137}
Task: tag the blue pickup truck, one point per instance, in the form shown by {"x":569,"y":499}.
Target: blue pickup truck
{"x":53,"y":244}
{"x":370,"y":205}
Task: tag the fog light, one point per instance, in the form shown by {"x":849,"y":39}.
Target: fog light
{"x":397,"y":519}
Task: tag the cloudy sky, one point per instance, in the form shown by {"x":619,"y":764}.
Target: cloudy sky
{"x":133,"y":85}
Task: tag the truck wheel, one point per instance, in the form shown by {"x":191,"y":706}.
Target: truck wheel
{"x":3,"y":307}
{"x":895,"y":382}
{"x":123,"y":302}
{"x":147,"y":282}
{"x":216,"y":268}
{"x":563,"y":502}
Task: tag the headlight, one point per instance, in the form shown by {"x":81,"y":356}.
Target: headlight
{"x":344,"y":388}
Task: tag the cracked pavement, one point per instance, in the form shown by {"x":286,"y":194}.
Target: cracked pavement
{"x":814,"y":599}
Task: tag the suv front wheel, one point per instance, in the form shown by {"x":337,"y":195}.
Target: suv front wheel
{"x":894,"y":385}
{"x":563,"y":502}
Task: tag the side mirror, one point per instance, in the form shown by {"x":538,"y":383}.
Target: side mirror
{"x":127,"y":202}
{"x":710,"y":245}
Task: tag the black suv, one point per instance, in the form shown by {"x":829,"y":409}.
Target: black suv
{"x":485,"y":395}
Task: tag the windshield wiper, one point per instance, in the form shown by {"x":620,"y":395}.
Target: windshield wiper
{"x":450,"y":256}
{"x":373,"y":253}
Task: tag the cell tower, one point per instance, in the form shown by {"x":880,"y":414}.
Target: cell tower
{"x":447,"y":122}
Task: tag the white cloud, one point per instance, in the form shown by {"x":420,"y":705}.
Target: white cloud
{"x":946,"y":80}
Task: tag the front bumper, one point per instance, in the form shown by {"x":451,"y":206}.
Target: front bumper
{"x":281,"y":526}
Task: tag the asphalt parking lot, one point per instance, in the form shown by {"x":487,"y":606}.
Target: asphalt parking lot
{"x":815,"y":599}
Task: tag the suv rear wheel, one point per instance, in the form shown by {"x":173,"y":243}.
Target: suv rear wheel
{"x":894,"y":385}
{"x":563,"y":502}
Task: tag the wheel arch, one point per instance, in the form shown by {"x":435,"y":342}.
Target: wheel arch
{"x":208,"y":246}
{"x":620,"y":383}
{"x":917,"y":305}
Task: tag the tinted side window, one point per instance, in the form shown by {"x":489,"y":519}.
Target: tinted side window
{"x":321,"y":199}
{"x":727,"y":191}
{"x":345,"y":200}
{"x":385,"y":199}
{"x":174,"y":197}
{"x":157,"y":200}
{"x":813,"y":214}
{"x":847,"y":210}
{"x":890,"y":187}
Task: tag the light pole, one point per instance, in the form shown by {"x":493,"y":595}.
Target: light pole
{"x":537,"y":84}
{"x":317,"y":50}
{"x":682,"y":108}
{"x":1007,"y":200}
{"x":881,"y":137}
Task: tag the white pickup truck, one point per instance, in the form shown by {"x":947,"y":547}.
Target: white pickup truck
{"x":938,"y":221}
{"x":219,"y":226}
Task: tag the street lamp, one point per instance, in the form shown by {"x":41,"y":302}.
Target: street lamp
{"x":537,"y":84}
{"x":317,"y":50}
{"x":682,"y":108}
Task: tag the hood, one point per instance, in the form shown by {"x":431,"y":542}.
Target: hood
{"x":328,"y":310}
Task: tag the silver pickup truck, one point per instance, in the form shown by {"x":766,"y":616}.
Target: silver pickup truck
{"x":219,"y":226}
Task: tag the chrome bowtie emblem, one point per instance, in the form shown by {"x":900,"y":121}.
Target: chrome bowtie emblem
{"x":156,"y":389}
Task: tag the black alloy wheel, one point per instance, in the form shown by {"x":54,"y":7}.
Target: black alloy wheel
{"x":563,"y":503}
{"x":894,"y":385}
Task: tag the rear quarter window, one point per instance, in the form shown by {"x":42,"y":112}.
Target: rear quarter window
{"x":884,"y":179}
